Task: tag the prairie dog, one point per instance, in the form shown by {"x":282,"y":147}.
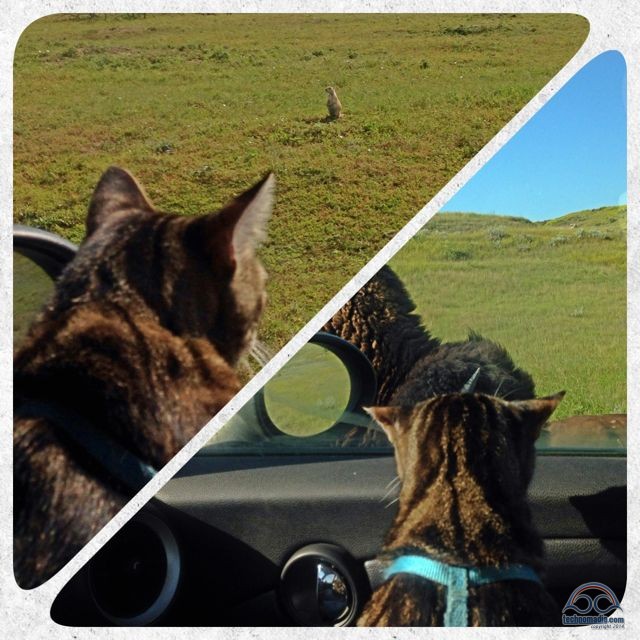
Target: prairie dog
{"x":333,"y":104}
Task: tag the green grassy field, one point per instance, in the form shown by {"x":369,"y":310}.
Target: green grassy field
{"x":553,"y":293}
{"x":200,"y":106}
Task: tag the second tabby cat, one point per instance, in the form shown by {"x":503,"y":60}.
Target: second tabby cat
{"x":137,"y":348}
{"x":463,"y":549}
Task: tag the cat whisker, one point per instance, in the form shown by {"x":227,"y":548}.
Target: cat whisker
{"x":261,"y":352}
{"x":391,"y":488}
{"x":386,"y":495}
{"x":393,"y":480}
{"x":510,"y":393}
{"x":392,"y":502}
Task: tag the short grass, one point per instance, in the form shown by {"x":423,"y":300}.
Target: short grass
{"x":200,"y":106}
{"x":553,"y":293}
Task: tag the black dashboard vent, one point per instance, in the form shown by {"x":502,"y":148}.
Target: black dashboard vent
{"x":134,"y":578}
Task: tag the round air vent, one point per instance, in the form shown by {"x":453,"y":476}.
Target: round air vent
{"x":322,"y":585}
{"x":134,"y":577}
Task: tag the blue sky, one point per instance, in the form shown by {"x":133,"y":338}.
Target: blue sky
{"x":570,"y":156}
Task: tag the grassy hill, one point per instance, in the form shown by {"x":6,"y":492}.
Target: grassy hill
{"x":553,"y":292}
{"x":200,"y":106}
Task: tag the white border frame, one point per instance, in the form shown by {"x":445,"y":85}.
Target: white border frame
{"x":614,"y":24}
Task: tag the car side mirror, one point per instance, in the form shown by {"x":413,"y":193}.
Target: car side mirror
{"x":38,"y":259}
{"x":326,"y":383}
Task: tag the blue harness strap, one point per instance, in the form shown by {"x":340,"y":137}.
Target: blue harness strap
{"x":457,"y":580}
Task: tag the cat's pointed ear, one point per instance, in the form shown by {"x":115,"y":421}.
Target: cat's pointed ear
{"x":534,"y":413}
{"x":245,"y":218}
{"x":387,"y":417}
{"x":116,"y":191}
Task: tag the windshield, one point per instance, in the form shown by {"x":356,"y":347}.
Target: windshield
{"x":305,"y":409}
{"x":245,"y":434}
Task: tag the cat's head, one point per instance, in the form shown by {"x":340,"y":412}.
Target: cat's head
{"x":488,"y":437}
{"x":199,"y":276}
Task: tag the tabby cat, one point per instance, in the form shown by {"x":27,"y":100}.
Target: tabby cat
{"x":139,"y":342}
{"x":465,"y":462}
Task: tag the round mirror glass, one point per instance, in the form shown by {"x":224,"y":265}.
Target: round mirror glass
{"x":32,"y":288}
{"x":309,"y":394}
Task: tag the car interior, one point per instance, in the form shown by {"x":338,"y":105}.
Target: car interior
{"x":278,"y":519}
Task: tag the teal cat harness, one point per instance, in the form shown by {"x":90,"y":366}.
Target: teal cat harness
{"x":457,"y":580}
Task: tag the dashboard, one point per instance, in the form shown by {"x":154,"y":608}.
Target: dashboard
{"x":237,"y":522}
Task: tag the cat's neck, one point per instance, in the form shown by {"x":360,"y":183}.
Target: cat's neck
{"x":143,"y":386}
{"x":456,"y":524}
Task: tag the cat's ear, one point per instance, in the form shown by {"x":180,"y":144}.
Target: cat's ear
{"x":244,"y":220}
{"x":116,"y":191}
{"x":534,"y":413}
{"x":389,"y":418}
